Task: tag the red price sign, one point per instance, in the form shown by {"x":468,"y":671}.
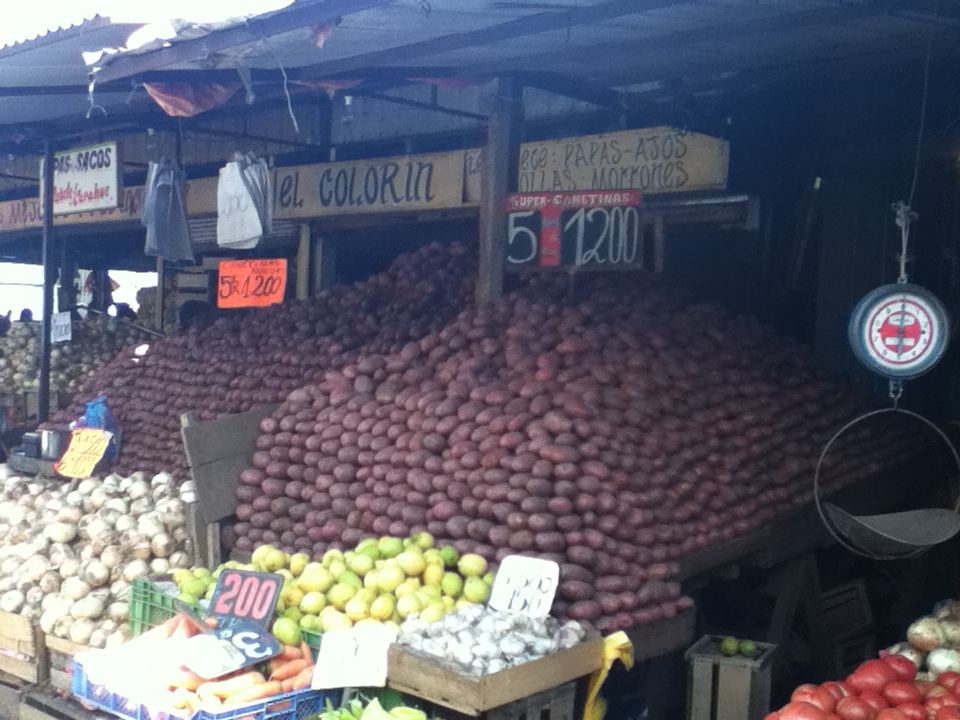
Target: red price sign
{"x":246,"y":595}
{"x":251,"y":283}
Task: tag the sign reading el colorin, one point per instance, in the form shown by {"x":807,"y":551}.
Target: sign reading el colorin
{"x":85,"y":179}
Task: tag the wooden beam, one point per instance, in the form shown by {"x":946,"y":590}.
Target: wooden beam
{"x":520,"y":27}
{"x":498,"y":178}
{"x":254,"y":30}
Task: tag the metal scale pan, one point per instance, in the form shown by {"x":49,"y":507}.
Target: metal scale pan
{"x":889,"y":536}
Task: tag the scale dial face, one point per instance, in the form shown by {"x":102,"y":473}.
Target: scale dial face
{"x":899,"y":331}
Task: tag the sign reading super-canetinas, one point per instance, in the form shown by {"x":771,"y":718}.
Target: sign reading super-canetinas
{"x":85,"y":179}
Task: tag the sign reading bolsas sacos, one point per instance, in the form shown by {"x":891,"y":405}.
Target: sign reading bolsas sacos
{"x":85,"y":179}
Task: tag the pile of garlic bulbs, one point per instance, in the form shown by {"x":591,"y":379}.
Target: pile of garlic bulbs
{"x":479,"y":640}
{"x":69,"y":550}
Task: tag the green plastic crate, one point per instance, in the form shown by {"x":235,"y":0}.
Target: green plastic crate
{"x":151,"y":606}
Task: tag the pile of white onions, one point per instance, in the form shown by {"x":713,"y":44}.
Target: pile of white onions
{"x":96,"y":340}
{"x":69,"y":551}
{"x":479,"y":640}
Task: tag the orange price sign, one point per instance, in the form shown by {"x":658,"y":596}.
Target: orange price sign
{"x":86,"y":449}
{"x":251,"y":283}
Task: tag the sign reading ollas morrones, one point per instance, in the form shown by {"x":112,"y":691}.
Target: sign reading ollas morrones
{"x":653,"y":160}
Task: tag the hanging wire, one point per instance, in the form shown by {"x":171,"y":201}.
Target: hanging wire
{"x":905,"y":214}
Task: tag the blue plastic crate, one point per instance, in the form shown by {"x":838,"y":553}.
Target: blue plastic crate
{"x":295,"y":705}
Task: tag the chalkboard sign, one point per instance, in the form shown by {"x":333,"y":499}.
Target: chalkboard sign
{"x":246,"y":595}
{"x":585,"y":230}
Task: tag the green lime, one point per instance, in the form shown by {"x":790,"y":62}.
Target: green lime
{"x":748,"y":648}
{"x":729,"y":646}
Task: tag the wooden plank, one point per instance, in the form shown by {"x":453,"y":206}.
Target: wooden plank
{"x":303,"y":263}
{"x":700,"y":705}
{"x":498,"y":177}
{"x":217,"y":452}
{"x":733,"y":693}
{"x":64,"y":646}
{"x":18,"y":630}
{"x":434,"y":683}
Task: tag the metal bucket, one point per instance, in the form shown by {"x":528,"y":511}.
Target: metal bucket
{"x":53,"y":443}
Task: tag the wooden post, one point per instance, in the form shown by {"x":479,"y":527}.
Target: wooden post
{"x":43,"y":392}
{"x":498,"y":178}
{"x":323,"y":263}
{"x":303,"y":263}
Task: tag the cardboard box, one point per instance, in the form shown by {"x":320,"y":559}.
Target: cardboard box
{"x":423,"y":678}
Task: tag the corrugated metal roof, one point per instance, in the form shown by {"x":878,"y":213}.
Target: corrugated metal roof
{"x":43,"y":32}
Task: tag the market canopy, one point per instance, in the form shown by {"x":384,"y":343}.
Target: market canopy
{"x":584,"y":48}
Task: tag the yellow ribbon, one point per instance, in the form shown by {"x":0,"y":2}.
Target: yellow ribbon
{"x":615,"y":647}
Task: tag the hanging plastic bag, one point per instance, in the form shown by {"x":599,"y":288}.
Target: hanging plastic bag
{"x":615,"y":647}
{"x":244,"y":202}
{"x":97,"y":415}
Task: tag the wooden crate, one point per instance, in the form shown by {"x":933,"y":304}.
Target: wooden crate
{"x":728,"y":688}
{"x":60,"y":655}
{"x":845,"y":611}
{"x":422,"y":678}
{"x":22,"y":650}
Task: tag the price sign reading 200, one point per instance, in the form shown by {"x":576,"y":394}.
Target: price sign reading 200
{"x":247,"y":595}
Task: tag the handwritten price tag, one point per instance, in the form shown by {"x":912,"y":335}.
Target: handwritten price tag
{"x":61,"y":327}
{"x":246,"y":595}
{"x":232,"y":645}
{"x":86,"y":449}
{"x":353,"y":657}
{"x":525,"y":585}
{"x":251,"y":283}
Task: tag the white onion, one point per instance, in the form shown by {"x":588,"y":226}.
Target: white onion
{"x":75,"y":588}
{"x":60,"y":532}
{"x":81,"y":630}
{"x":12,"y":601}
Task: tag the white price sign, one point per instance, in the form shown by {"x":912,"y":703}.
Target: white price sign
{"x":61,"y":327}
{"x":525,"y":585}
{"x":353,"y":657}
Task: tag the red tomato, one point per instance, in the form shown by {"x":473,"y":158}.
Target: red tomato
{"x":776,"y":716}
{"x":949,"y":681}
{"x":872,"y":676}
{"x":948,"y":712}
{"x":913,"y":711}
{"x":815,"y":695}
{"x":904,"y":669}
{"x":801,"y":711}
{"x":836,"y":689}
{"x":853,"y":708}
{"x":875,"y":700}
{"x":924,"y":688}
{"x":935,"y":703}
{"x":899,"y":693}
{"x":891,"y":714}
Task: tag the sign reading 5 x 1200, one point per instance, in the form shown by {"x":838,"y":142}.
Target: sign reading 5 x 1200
{"x":595,"y":230}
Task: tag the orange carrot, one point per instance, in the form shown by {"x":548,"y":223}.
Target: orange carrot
{"x":290,"y":669}
{"x":256,"y":692}
{"x":184,"y":678}
{"x":226,"y":688}
{"x":304,"y":679}
{"x":290,"y":652}
{"x":307,"y":652}
{"x":287,"y":685}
